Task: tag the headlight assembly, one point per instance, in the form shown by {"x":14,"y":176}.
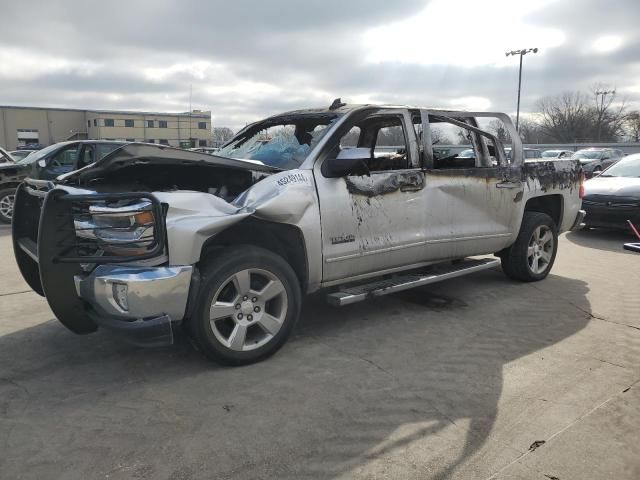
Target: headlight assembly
{"x":119,"y":229}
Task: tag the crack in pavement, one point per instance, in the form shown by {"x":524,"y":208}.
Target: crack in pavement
{"x":14,"y":293}
{"x":611,"y":363}
{"x":565,"y":428}
{"x":586,"y":312}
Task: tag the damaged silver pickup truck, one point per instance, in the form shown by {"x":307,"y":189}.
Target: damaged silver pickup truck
{"x":352,"y":199}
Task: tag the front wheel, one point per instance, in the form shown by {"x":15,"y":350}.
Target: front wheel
{"x":531,"y":256}
{"x":7,"y":199}
{"x":249,"y":302}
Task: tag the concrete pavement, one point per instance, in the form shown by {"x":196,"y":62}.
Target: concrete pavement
{"x":458,"y":380}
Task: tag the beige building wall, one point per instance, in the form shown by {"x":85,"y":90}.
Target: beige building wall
{"x":36,"y":125}
{"x":47,"y":126}
{"x":167,"y":128}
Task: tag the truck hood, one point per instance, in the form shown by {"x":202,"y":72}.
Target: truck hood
{"x":158,"y":154}
{"x":12,"y":166}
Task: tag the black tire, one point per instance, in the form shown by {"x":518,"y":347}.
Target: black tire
{"x":216,"y":273}
{"x":5,"y":195}
{"x":515,"y":259}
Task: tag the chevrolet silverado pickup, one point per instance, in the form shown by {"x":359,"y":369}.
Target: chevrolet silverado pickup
{"x":351,"y":199}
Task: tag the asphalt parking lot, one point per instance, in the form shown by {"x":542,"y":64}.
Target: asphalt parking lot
{"x":479,"y":377}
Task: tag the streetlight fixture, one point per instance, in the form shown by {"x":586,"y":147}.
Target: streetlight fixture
{"x":603,"y":95}
{"x":522,"y":52}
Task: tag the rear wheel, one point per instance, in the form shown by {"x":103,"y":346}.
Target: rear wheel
{"x":7,"y":199}
{"x":249,"y":302}
{"x":531,"y":256}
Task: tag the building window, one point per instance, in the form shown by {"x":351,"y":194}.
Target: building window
{"x":163,"y":141}
{"x":150,"y":140}
{"x":202,"y":143}
{"x":88,"y":123}
{"x":202,"y":125}
{"x":95,"y":122}
{"x":149,"y":123}
{"x":162,"y":123}
{"x":108,"y":122}
{"x":128,"y":123}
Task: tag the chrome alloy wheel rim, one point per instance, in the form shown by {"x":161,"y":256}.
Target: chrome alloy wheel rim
{"x":6,"y":206}
{"x":540,"y":249}
{"x":248,"y":309}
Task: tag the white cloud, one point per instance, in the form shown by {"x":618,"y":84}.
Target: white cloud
{"x":21,"y":64}
{"x":607,"y":43}
{"x":461,"y":32}
{"x":471,"y":103}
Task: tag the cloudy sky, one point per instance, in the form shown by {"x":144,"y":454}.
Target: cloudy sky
{"x":248,"y":59}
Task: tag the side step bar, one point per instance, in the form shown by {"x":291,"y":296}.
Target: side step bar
{"x":433,"y":274}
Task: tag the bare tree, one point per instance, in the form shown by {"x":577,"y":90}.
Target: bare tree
{"x":222,"y":134}
{"x":632,"y":124}
{"x":571,"y":117}
{"x":438,"y":137}
{"x":499,"y":130}
{"x":566,"y":118}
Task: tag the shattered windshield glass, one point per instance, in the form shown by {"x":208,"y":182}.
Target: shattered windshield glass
{"x":281,"y":142}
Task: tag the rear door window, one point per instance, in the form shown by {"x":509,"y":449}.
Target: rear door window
{"x":104,"y":149}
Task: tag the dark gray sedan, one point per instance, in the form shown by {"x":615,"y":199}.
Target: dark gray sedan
{"x":613,"y":197}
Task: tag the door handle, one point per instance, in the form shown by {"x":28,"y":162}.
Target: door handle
{"x":507,"y":184}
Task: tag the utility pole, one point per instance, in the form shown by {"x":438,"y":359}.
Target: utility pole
{"x":190,"y":93}
{"x":522,"y":52}
{"x":603,"y":94}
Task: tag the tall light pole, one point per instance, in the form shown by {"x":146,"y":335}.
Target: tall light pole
{"x":522,"y":52}
{"x":603,"y":94}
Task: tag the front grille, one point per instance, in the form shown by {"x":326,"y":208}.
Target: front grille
{"x":611,"y":201}
{"x":27,"y":223}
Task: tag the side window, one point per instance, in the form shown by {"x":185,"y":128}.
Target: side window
{"x":66,"y":157}
{"x":390,"y":147}
{"x":87,"y":156}
{"x":458,"y":143}
{"x":350,"y":139}
{"x":104,"y":149}
{"x":378,"y":140}
{"x":61,"y":162}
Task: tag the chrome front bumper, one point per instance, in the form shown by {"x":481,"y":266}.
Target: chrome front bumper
{"x":139,"y":301}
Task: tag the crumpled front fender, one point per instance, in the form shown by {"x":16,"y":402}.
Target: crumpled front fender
{"x":194,"y":217}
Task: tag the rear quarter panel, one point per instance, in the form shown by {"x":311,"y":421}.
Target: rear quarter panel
{"x":555,"y":177}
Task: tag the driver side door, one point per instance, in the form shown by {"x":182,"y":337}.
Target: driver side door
{"x":372,"y":222}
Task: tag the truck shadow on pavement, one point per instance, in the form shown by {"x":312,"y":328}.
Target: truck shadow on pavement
{"x":409,"y":382}
{"x":609,"y":240}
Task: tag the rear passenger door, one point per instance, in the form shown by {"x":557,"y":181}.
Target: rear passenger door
{"x":475,"y":204}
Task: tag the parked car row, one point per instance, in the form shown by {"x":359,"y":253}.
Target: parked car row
{"x":46,"y":164}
